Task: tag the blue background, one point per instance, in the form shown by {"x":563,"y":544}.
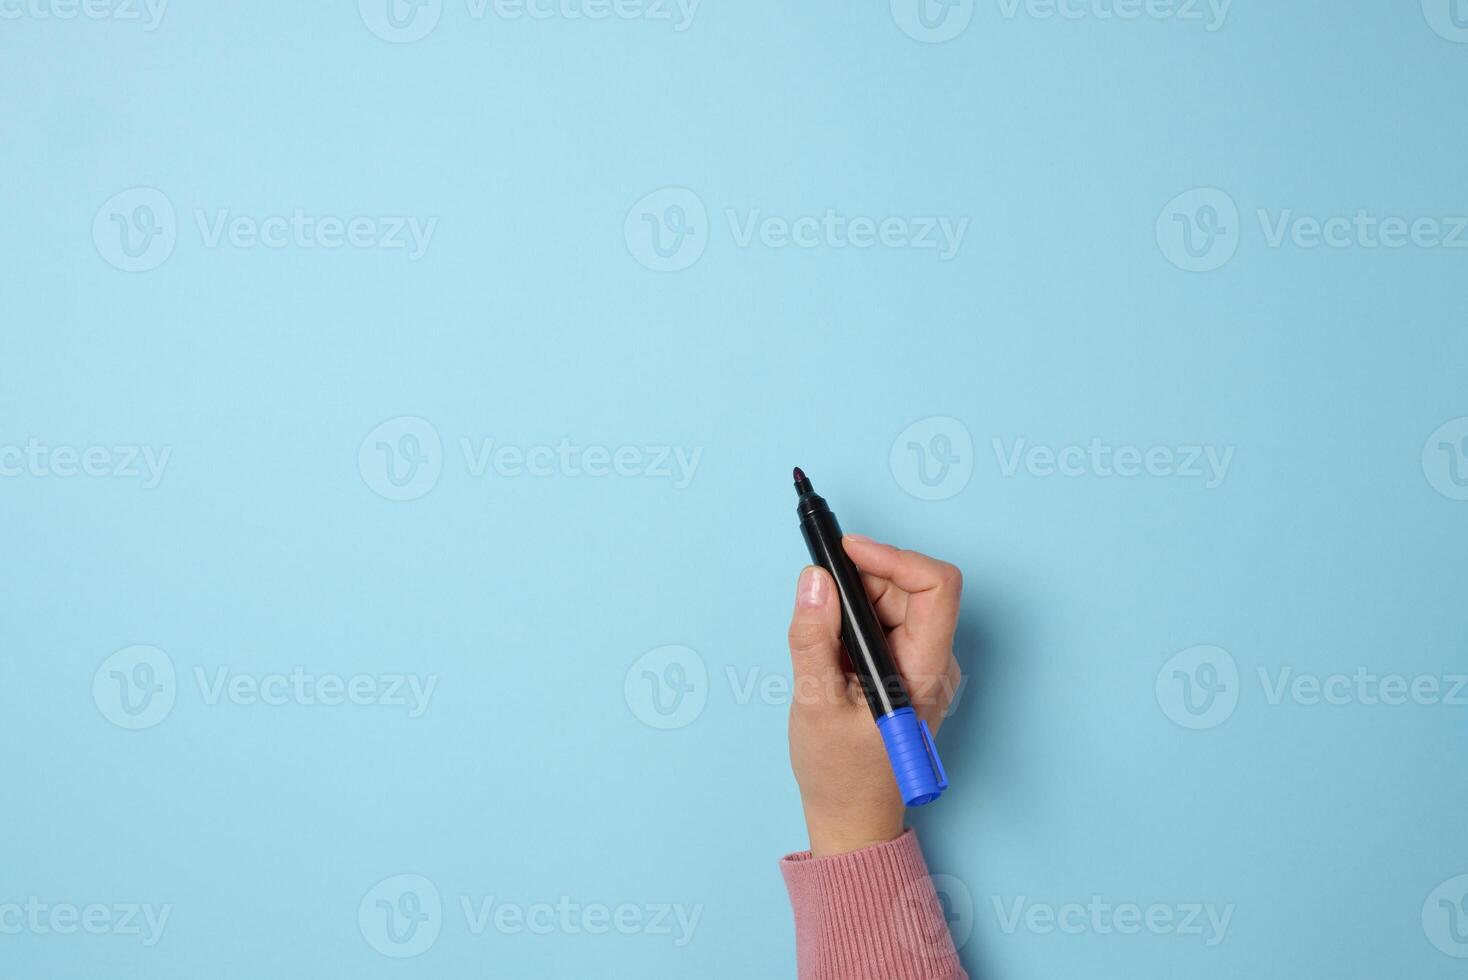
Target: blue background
{"x":530,"y":320}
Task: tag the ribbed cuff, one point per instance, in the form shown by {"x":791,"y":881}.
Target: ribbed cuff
{"x":871,"y":914}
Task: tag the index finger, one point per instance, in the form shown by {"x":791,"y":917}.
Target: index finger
{"x":910,"y":571}
{"x":933,"y":589}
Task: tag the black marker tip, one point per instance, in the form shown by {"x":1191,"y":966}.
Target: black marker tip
{"x":802,"y":483}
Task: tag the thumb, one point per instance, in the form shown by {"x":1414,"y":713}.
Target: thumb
{"x":815,"y":628}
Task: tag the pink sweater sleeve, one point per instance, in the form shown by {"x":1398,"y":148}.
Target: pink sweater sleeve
{"x":869,"y":915}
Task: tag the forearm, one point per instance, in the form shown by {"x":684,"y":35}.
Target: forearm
{"x":870,"y":914}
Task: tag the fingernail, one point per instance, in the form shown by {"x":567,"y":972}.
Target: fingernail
{"x":810,"y":593}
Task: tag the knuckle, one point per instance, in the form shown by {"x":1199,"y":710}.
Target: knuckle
{"x":950,"y":576}
{"x":804,"y":636}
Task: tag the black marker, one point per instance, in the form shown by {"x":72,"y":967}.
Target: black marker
{"x":910,"y":748}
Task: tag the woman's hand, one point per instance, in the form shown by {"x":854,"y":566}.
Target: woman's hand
{"x":846,"y":783}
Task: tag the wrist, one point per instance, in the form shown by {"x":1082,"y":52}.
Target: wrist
{"x":842,"y":836}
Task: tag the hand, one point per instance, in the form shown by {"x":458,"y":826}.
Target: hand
{"x":846,"y":784}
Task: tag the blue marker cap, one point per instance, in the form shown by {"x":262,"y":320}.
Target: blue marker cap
{"x":914,"y":757}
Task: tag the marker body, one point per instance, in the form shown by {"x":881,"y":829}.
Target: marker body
{"x":909,"y":743}
{"x":861,"y":633}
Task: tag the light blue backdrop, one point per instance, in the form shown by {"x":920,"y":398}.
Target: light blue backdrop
{"x":719,"y":232}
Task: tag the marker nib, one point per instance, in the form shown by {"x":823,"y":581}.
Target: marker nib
{"x":802,"y":482}
{"x":799,"y":474}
